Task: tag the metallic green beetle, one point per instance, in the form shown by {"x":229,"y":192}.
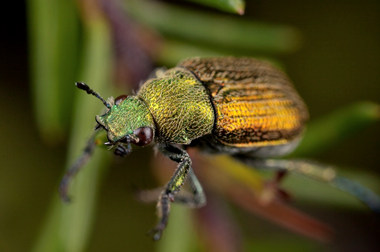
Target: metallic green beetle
{"x":238,"y":106}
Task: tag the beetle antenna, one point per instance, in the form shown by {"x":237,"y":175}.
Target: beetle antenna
{"x":85,"y":87}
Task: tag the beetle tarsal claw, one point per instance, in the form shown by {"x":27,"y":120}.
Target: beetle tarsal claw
{"x":157,"y":232}
{"x":108,"y":143}
{"x":171,"y":197}
{"x":122,"y":151}
{"x":63,"y":190}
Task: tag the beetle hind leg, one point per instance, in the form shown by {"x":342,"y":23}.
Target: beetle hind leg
{"x":273,"y":189}
{"x":320,"y":172}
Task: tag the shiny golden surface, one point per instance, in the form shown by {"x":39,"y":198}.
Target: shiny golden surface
{"x":255,"y":103}
{"x":180,"y":106}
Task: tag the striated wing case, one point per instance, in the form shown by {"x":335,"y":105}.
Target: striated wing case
{"x":255,"y":103}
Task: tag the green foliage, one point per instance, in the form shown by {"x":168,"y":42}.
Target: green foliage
{"x":234,"y":6}
{"x":326,"y":132}
{"x":58,"y":50}
{"x":67,"y":228}
{"x":230,"y":35}
{"x":54,"y":44}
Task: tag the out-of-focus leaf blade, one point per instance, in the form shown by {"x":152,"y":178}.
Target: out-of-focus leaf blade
{"x":284,"y":243}
{"x":234,"y":6}
{"x":132,"y":45}
{"x":217,"y":229}
{"x":324,"y":133}
{"x":68,"y":226}
{"x":283,"y":215}
{"x":233,"y":179}
{"x":173,"y":51}
{"x":53,"y":33}
{"x":179,"y":235}
{"x":215,"y":30}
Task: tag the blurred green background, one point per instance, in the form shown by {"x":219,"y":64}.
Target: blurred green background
{"x":337,"y":64}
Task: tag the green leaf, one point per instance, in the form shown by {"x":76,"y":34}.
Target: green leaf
{"x":181,"y":227}
{"x":233,"y":34}
{"x":53,"y":35}
{"x":234,"y":6}
{"x":326,"y":132}
{"x":173,"y":52}
{"x":284,"y":243}
{"x":68,"y":227}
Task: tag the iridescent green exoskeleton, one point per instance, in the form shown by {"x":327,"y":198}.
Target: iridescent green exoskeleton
{"x":238,"y":106}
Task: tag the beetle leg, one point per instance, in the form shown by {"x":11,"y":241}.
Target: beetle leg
{"x":310,"y":169}
{"x":172,"y":187}
{"x":79,"y":163}
{"x":198,"y":197}
{"x":195,"y":199}
{"x":272,"y":188}
{"x":320,"y":172}
{"x":123,"y":151}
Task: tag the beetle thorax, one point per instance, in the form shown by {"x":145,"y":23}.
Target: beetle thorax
{"x":180,"y":106}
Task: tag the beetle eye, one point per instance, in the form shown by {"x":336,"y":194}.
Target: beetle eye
{"x":120,"y":98}
{"x":145,"y":135}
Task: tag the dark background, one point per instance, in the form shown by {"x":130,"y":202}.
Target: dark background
{"x":338,"y":65}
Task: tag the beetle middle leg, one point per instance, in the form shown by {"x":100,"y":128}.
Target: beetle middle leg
{"x":174,"y":185}
{"x":197,"y":198}
{"x":194,"y":199}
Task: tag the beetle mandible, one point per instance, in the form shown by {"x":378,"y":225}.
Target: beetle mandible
{"x":242,"y":107}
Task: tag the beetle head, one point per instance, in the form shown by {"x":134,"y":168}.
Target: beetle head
{"x":128,"y":120}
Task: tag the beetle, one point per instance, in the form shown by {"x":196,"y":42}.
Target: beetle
{"x":242,"y":107}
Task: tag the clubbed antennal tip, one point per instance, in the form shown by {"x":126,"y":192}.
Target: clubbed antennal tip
{"x":85,"y":87}
{"x":82,"y":85}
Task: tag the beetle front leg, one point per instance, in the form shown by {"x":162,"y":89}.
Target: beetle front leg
{"x":79,"y":163}
{"x":172,"y":187}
